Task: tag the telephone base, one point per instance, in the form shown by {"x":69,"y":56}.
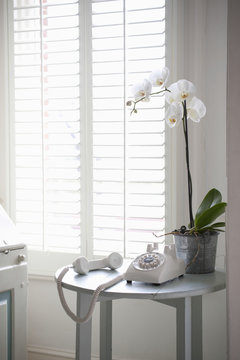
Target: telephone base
{"x":156,"y":268}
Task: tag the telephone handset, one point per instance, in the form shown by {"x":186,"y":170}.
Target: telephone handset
{"x":82,"y":265}
{"x":152,"y":267}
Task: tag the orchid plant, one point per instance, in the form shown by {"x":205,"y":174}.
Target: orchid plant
{"x":183,"y":105}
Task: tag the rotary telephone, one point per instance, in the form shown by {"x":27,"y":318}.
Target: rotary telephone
{"x":155,"y":267}
{"x":152,"y":267}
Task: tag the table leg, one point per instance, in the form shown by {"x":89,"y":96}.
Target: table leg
{"x":197,"y":352}
{"x":180,"y":328}
{"x":106,"y":330}
{"x":188,"y":326}
{"x":83,"y":331}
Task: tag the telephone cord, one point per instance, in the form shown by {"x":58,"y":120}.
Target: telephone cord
{"x":94,"y":298}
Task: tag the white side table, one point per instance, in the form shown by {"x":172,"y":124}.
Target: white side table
{"x":185,"y":294}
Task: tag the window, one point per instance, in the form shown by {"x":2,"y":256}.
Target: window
{"x":89,"y":178}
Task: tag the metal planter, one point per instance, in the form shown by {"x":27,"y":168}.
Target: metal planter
{"x":198,"y":252}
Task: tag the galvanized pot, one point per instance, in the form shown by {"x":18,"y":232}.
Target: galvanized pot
{"x":198,"y":252}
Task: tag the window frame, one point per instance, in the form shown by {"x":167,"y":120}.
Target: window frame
{"x":46,"y":262}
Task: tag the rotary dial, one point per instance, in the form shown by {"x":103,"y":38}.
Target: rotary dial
{"x":149,"y":261}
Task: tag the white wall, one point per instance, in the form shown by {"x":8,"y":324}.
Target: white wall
{"x":216,"y":85}
{"x":51,"y":333}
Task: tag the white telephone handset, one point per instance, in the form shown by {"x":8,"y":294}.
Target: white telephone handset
{"x":82,"y":265}
{"x":151,"y":267}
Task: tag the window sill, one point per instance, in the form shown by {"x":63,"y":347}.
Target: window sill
{"x":44,"y":264}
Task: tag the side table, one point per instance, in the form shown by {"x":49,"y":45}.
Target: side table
{"x":184,"y":294}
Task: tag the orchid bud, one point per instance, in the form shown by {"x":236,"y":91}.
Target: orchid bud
{"x":129,"y":103}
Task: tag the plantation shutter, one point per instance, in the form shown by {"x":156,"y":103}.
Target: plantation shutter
{"x":128,"y":152}
{"x":47,"y":122}
{"x":89,"y":177}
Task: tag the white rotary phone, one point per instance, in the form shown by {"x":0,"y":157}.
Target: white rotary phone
{"x":155,"y":267}
{"x":152,"y":267}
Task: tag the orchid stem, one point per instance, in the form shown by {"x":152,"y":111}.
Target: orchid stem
{"x":144,"y":97}
{"x":185,"y":130}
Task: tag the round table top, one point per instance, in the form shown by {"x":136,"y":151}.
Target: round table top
{"x":188,"y":285}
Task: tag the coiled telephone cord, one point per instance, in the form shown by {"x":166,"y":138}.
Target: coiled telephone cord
{"x":94,"y":298}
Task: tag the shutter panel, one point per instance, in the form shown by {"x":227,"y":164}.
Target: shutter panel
{"x":129,"y":152}
{"x":47,"y":130}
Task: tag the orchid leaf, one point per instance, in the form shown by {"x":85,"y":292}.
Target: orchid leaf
{"x":212,"y":198}
{"x":213,"y":227}
{"x":209,"y":215}
{"x":210,"y":228}
{"x":219,"y":224}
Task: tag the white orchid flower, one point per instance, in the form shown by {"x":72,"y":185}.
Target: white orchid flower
{"x":186,"y":90}
{"x":180,"y":91}
{"x":173,"y":94}
{"x":142,"y":90}
{"x":196,"y":109}
{"x":159,"y":77}
{"x":174,"y":114}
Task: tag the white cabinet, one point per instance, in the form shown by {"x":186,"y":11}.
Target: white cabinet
{"x":13,"y":293}
{"x":13,"y":305}
{"x":5,"y":325}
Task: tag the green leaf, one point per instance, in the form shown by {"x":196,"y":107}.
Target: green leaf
{"x":208,"y":216}
{"x":209,"y":228}
{"x":219,"y":224}
{"x":213,"y":227}
{"x":213,"y":197}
